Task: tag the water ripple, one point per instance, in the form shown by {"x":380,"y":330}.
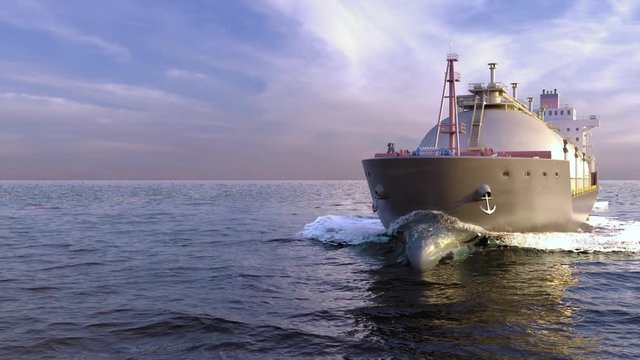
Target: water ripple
{"x":165,"y":270}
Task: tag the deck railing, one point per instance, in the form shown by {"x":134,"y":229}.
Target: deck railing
{"x":582,"y":190}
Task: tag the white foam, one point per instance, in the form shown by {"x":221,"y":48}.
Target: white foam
{"x":600,"y":206}
{"x":434,"y":217}
{"x":350,"y":230}
{"x":429,"y":236}
{"x":607,"y":235}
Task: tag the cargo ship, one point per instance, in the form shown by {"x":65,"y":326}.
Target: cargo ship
{"x":495,"y":162}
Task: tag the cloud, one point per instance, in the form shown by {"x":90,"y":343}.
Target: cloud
{"x":185,"y":74}
{"x":303,"y":89}
{"x":116,"y":95}
{"x":45,"y":110}
{"x":71,"y":34}
{"x":383,"y":54}
{"x":32,"y":15}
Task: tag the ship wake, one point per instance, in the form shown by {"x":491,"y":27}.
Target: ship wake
{"x":603,"y":234}
{"x":424,"y":238}
{"x":428,"y":238}
{"x":345,"y":230}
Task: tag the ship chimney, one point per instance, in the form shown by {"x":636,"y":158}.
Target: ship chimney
{"x":514,"y":86}
{"x":530,"y":99}
{"x":492,"y":69}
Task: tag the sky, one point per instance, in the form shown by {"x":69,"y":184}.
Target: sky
{"x":280,"y":89}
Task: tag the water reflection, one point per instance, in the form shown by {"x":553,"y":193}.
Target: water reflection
{"x":502,"y":303}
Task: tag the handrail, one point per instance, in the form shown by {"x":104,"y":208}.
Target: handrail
{"x":524,"y":109}
{"x":583,"y":190}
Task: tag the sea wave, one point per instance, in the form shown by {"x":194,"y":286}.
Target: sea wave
{"x":429,"y":237}
{"x":437,"y":230}
{"x":600,"y":206}
{"x":345,"y":230}
{"x":606,"y":235}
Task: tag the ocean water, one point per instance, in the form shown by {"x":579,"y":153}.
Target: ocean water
{"x":301,"y":269}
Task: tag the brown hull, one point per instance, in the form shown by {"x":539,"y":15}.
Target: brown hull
{"x":529,"y":194}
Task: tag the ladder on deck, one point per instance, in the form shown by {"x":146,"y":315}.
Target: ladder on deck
{"x":476,"y":120}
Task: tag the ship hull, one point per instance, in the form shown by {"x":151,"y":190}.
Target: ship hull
{"x":524,"y":194}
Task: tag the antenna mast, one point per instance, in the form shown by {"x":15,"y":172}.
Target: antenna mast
{"x":450,"y":78}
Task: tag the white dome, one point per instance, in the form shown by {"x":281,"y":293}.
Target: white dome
{"x":504,"y":130}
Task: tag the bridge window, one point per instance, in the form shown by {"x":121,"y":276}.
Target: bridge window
{"x":556,"y":112}
{"x":577,"y":129}
{"x":577,"y":139}
{"x":568,"y":112}
{"x":561,"y":112}
{"x":568,"y":129}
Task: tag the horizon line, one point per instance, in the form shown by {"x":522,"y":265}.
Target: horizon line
{"x":167,"y":179}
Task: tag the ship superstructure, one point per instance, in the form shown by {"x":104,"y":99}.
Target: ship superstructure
{"x":575,"y":129}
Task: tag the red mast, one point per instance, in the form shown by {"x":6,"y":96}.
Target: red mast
{"x":451,"y":128}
